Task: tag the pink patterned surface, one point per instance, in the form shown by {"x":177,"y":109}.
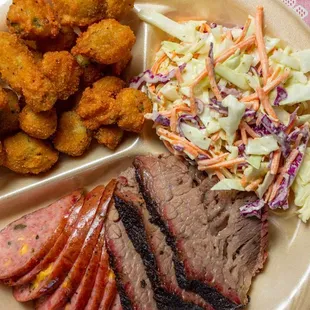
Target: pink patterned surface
{"x":301,"y":7}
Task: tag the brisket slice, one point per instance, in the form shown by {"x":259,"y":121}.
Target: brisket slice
{"x":133,"y":285}
{"x":218,"y":250}
{"x":128,"y":190}
{"x":133,"y":224}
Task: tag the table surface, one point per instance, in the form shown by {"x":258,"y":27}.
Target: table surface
{"x":301,"y":7}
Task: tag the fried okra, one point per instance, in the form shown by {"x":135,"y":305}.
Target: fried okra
{"x":118,"y":9}
{"x":2,"y":154}
{"x":120,"y":66}
{"x":39,"y":125}
{"x":27,"y":155}
{"x":9,"y":115}
{"x":64,"y":41}
{"x":64,"y":72}
{"x":19,"y":69}
{"x":110,"y":136}
{"x":92,"y":72}
{"x":98,"y":106}
{"x":72,"y":137}
{"x":3,"y":99}
{"x":32,"y":19}
{"x":133,"y":105}
{"x":105,"y":42}
{"x":79,"y":12}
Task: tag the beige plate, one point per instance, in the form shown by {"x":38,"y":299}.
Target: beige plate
{"x":284,"y":284}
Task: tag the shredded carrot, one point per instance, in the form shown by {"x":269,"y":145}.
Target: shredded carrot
{"x":256,"y":105}
{"x":254,"y":185}
{"x":214,"y":86}
{"x":229,"y":52}
{"x":243,"y":181}
{"x":220,"y":175}
{"x":157,"y":64}
{"x":173,"y":120}
{"x":192,"y":101}
{"x":225,"y":164}
{"x":280,"y":178}
{"x":229,"y":35}
{"x":266,"y":104}
{"x":170,"y":149}
{"x":201,"y":76}
{"x":207,"y":28}
{"x":196,"y":55}
{"x":297,"y":142}
{"x":238,"y":143}
{"x":275,"y":73}
{"x":174,"y":54}
{"x":268,"y":193}
{"x":275,"y":162}
{"x":215,"y":160}
{"x":271,"y":86}
{"x":249,"y":130}
{"x":244,"y":31}
{"x":259,"y":25}
{"x":152,"y":88}
{"x":216,"y":136}
{"x":244,"y":136}
{"x":179,"y":75}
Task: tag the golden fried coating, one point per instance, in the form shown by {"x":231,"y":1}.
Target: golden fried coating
{"x":2,"y":154}
{"x":79,"y":12}
{"x":64,"y":71}
{"x":120,"y":66}
{"x":110,"y":136}
{"x":64,"y":41}
{"x":133,"y":104}
{"x":32,"y":19}
{"x":39,"y":125}
{"x":118,"y":9}
{"x":19,"y":70}
{"x":92,"y":72}
{"x":3,"y":99}
{"x":9,"y":122}
{"x":98,"y":106}
{"x":105,"y":42}
{"x":25,"y":154}
{"x":72,"y":137}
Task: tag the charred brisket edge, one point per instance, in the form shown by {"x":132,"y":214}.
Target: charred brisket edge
{"x":134,"y":226}
{"x":208,"y":293}
{"x":125,"y":301}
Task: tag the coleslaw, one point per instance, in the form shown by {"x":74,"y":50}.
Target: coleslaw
{"x":232,"y":101}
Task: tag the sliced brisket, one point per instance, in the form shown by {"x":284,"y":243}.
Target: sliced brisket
{"x":133,"y":285}
{"x":128,"y":190}
{"x":218,"y":251}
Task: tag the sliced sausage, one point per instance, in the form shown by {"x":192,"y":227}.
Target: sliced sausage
{"x":24,"y":242}
{"x":100,"y":282}
{"x":50,"y":278}
{"x":83,"y":293}
{"x":116,"y":303}
{"x":55,"y":250}
{"x":66,"y":290}
{"x":110,"y":292}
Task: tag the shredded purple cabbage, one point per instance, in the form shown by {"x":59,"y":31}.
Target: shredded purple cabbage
{"x":188,"y":118}
{"x":241,"y":149}
{"x":279,"y":134}
{"x":179,"y":148}
{"x":218,"y":106}
{"x":148,"y":77}
{"x":162,"y":120}
{"x":249,"y":113}
{"x":281,"y":200}
{"x":200,"y":106}
{"x":211,"y":51}
{"x":202,"y":157}
{"x":281,"y":95}
{"x":253,"y":209}
{"x":225,"y":91}
{"x":213,"y":25}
